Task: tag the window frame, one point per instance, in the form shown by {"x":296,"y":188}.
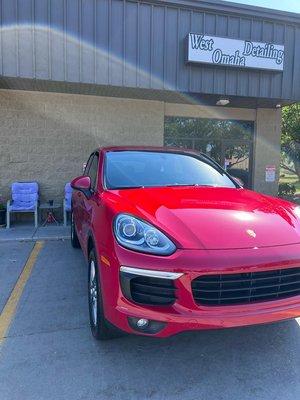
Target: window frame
{"x":88,"y":164}
{"x":94,"y":187}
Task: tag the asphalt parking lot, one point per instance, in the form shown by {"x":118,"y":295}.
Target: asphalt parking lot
{"x":49,"y":352}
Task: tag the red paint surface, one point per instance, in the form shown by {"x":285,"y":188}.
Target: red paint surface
{"x":210,"y":227}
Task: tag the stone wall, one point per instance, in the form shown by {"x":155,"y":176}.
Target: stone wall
{"x":48,"y":136}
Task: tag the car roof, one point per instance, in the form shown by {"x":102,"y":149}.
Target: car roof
{"x":148,"y":148}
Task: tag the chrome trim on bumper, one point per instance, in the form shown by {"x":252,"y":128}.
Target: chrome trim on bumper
{"x":151,"y":273}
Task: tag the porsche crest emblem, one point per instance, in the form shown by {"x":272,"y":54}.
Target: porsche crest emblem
{"x":251,"y":233}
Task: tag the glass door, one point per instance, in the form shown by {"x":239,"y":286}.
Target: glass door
{"x":228,"y":142}
{"x":237,"y":161}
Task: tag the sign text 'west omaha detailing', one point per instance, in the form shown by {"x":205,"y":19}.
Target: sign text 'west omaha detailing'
{"x":233,"y":52}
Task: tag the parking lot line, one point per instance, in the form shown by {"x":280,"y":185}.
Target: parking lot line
{"x":10,"y":307}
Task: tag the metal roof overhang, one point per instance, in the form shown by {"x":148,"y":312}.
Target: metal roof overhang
{"x":137,"y":93}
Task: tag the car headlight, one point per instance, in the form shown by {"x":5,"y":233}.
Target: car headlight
{"x":138,"y":235}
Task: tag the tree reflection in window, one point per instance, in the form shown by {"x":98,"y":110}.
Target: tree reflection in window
{"x":229,"y":142}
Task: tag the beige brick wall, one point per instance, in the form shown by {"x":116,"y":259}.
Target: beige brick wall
{"x":48,"y":136}
{"x":199,"y":111}
{"x":267,"y":149}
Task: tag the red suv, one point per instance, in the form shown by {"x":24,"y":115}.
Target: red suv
{"x":174,"y":243}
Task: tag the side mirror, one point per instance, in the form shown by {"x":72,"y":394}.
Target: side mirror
{"x":238,"y":181}
{"x":82,"y":184}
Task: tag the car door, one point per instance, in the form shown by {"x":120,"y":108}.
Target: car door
{"x":88,"y":203}
{"x":78,"y":202}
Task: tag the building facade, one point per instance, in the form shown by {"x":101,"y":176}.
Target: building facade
{"x":208,"y":75}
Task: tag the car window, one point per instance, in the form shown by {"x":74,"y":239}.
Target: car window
{"x":125,"y":169}
{"x":92,"y":171}
{"x":88,"y":165}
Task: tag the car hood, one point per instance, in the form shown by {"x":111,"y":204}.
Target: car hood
{"x":212,"y":218}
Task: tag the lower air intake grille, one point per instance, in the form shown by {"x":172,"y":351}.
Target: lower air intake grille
{"x":228,"y":289}
{"x":155,"y":291}
{"x":148,"y":290}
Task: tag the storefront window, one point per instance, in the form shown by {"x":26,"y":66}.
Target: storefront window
{"x":229,"y":142}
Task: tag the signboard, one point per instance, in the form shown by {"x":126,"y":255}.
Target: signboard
{"x":232,"y":52}
{"x":270,"y":173}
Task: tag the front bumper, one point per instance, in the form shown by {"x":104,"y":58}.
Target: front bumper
{"x":185,"y":314}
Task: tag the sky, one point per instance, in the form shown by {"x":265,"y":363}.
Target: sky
{"x":286,"y":5}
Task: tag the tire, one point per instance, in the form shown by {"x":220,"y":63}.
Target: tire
{"x":74,"y":238}
{"x":100,"y":327}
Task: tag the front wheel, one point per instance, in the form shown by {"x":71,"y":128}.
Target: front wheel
{"x":100,"y":327}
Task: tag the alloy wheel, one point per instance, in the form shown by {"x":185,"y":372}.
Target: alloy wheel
{"x":93,"y":292}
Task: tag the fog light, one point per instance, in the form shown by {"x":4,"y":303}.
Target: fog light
{"x":142,"y":323}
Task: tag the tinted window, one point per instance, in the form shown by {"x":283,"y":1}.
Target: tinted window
{"x":125,"y":169}
{"x":93,"y":171}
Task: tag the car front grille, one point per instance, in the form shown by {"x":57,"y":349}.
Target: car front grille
{"x":245,"y":288}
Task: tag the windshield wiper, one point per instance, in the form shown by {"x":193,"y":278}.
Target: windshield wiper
{"x":162,"y":186}
{"x":188,"y":184}
{"x":181,"y":184}
{"x":127,"y":187}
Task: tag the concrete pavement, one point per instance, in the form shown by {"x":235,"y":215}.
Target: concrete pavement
{"x":26,"y":232}
{"x":50,"y":354}
{"x":12,"y":259}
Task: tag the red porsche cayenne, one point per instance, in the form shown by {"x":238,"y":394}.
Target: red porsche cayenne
{"x":174,"y":243}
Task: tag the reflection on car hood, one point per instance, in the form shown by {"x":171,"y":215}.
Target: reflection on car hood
{"x":212,"y":218}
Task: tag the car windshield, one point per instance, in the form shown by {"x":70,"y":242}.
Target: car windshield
{"x":131,"y":169}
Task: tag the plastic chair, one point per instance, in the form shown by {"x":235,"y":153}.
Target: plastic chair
{"x":67,"y":201}
{"x":25,"y":197}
